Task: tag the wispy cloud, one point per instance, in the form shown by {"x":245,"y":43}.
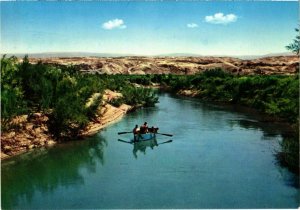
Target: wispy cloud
{"x":220,"y":18}
{"x":112,"y":24}
{"x":192,"y":25}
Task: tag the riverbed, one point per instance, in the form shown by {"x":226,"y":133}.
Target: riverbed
{"x":219,"y":157}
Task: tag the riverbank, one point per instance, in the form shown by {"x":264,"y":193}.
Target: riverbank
{"x":32,"y":132}
{"x":262,"y":116}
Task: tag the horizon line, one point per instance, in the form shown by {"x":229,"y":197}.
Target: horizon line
{"x":144,"y":55}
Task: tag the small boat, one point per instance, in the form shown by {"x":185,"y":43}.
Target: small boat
{"x":144,"y":137}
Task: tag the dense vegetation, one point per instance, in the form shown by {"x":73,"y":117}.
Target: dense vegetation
{"x":276,"y":95}
{"x":61,"y":93}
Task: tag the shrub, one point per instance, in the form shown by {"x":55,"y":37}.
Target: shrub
{"x":12,"y":102}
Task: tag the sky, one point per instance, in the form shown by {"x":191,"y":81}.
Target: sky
{"x":148,"y":27}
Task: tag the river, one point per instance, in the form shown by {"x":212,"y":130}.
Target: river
{"x":219,"y":158}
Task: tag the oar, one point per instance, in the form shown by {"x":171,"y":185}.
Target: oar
{"x":129,"y":142}
{"x":165,"y":134}
{"x":165,"y":142}
{"x":124,"y":132}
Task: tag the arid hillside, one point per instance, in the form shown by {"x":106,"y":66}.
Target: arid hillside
{"x":178,"y":65}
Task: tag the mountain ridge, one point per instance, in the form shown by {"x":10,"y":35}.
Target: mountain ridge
{"x":285,"y":65}
{"x":94,"y":54}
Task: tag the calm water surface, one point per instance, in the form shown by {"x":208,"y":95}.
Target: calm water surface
{"x":219,"y":158}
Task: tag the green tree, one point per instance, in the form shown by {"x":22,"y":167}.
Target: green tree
{"x":12,"y":102}
{"x":77,"y":100}
{"x":294,"y":47}
{"x":69,"y":113}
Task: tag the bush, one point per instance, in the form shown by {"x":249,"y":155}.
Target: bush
{"x":117,"y":101}
{"x":217,"y":72}
{"x":139,"y":96}
{"x":69,"y":113}
{"x":12,"y":102}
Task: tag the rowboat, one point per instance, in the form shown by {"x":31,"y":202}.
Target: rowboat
{"x":144,"y":137}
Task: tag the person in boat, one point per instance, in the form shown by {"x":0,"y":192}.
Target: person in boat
{"x":144,"y":128}
{"x":136,"y":132}
{"x":153,"y":129}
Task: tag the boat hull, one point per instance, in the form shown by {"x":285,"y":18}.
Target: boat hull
{"x":144,"y":137}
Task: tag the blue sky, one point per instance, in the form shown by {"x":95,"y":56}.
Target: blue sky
{"x":149,"y":28}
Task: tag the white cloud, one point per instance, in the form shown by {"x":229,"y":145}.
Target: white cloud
{"x":112,"y":24}
{"x":192,"y":25}
{"x":220,"y":18}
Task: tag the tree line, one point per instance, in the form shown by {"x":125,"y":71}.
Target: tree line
{"x":276,"y":95}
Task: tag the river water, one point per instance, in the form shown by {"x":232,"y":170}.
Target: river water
{"x":219,"y":158}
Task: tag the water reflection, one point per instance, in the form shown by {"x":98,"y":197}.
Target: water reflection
{"x":45,"y":174}
{"x":286,"y":137}
{"x":269,"y":131}
{"x":141,"y":146}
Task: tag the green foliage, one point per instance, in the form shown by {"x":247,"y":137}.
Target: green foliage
{"x":68,"y":117}
{"x":62,"y":93}
{"x":139,"y":96}
{"x":294,"y":47}
{"x":66,"y":109}
{"x":93,"y":108}
{"x":117,"y":101}
{"x":141,"y":79}
{"x":217,"y":72}
{"x":71,"y":113}
{"x":276,"y":95}
{"x":12,"y":103}
{"x":69,"y":98}
{"x":179,"y":82}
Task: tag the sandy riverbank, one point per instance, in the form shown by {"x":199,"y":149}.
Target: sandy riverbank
{"x":32,"y":132}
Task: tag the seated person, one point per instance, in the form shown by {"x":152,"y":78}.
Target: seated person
{"x":144,"y":128}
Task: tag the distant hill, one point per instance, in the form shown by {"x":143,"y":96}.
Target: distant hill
{"x":244,"y":57}
{"x":104,"y":55}
{"x":67,"y":55}
{"x":250,"y":57}
{"x":178,"y":55}
{"x":175,"y":65}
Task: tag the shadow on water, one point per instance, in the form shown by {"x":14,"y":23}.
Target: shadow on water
{"x":46,"y":175}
